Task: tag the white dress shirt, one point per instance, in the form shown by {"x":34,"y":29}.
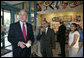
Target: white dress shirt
{"x":46,"y":29}
{"x":21,"y":24}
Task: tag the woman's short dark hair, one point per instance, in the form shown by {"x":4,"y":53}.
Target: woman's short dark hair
{"x":75,"y":26}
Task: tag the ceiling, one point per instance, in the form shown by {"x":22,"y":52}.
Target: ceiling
{"x":80,"y":7}
{"x":13,"y":2}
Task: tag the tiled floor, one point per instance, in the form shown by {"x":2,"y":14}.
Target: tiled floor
{"x":7,"y":43}
{"x":6,"y":40}
{"x":8,"y":54}
{"x":55,"y":53}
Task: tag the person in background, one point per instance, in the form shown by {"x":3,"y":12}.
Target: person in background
{"x":80,"y":32}
{"x":35,"y":50}
{"x":80,"y":52}
{"x":73,"y":44}
{"x":47,"y":41}
{"x":19,"y":34}
{"x":61,"y":38}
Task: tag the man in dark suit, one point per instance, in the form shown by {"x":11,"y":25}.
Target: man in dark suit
{"x":19,"y":34}
{"x":47,"y":40}
{"x":62,"y":38}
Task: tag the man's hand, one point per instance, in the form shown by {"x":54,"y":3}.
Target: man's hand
{"x":42,"y":29}
{"x":28,"y":44}
{"x":21,"y":44}
{"x":29,"y":41}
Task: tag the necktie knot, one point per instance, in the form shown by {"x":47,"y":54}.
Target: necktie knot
{"x":23,"y":24}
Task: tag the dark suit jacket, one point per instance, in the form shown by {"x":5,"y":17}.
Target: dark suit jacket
{"x":15,"y":35}
{"x":47,"y":41}
{"x":61,"y":33}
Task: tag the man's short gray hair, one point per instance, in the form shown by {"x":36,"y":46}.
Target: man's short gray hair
{"x":23,"y":10}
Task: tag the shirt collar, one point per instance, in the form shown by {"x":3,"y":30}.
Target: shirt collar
{"x":22,"y":22}
{"x":46,"y":28}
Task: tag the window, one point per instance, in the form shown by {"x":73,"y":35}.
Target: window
{"x":1,"y":12}
{"x":16,"y":17}
{"x":7,"y":17}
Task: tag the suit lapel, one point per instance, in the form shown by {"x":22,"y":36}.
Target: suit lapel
{"x":20,"y":31}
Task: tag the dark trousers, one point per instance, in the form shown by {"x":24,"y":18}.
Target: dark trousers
{"x":46,"y":53}
{"x":62,"y":46}
{"x":21,"y":53}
